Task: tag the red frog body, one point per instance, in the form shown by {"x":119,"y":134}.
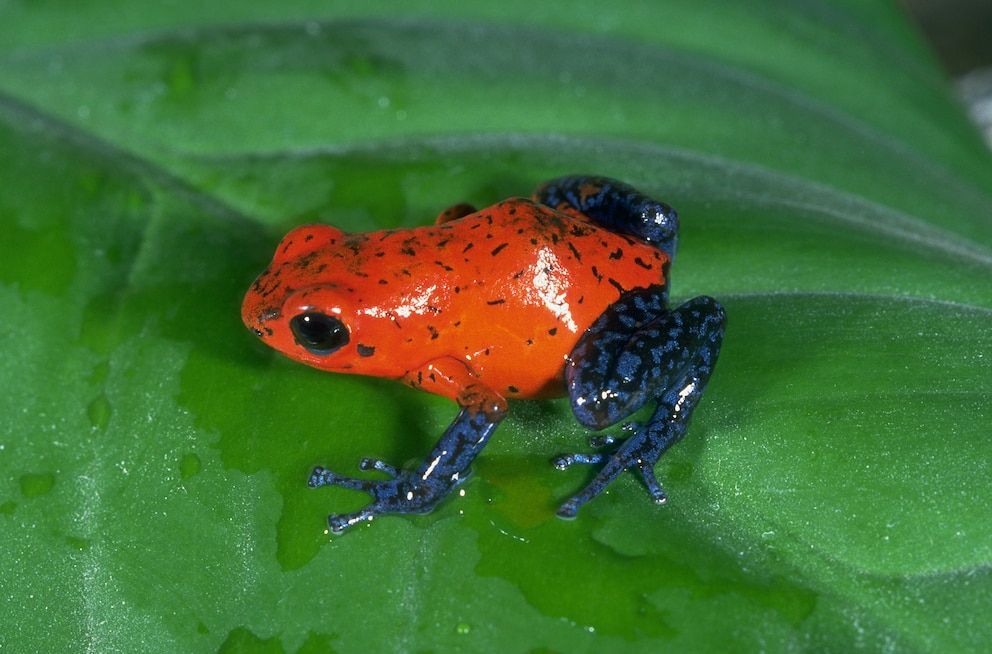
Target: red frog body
{"x":498,"y":297}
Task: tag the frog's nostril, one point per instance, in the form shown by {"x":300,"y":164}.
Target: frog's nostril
{"x":272,"y":313}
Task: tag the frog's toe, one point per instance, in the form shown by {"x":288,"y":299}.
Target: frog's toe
{"x":319,"y":477}
{"x":337,"y":523}
{"x":654,"y":488}
{"x":569,"y":509}
{"x":564,"y":461}
{"x":603,"y":441}
{"x":597,"y":442}
{"x":380,"y":465}
{"x":324,"y":477}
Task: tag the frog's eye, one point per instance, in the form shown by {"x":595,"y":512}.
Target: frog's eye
{"x":319,"y":333}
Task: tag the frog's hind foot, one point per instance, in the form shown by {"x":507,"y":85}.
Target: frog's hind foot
{"x":639,"y":451}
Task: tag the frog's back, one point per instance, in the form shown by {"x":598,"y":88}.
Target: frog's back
{"x":508,"y":289}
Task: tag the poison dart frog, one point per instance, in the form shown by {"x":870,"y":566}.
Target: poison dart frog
{"x":563,"y":294}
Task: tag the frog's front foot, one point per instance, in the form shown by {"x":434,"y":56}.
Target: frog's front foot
{"x":406,"y":492}
{"x":420,"y":490}
{"x":641,"y":450}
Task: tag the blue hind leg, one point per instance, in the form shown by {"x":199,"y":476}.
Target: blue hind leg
{"x":616,"y":206}
{"x":636,"y":352}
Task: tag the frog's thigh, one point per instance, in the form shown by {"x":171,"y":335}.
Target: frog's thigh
{"x":638,"y":351}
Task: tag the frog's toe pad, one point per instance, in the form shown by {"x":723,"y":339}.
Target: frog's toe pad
{"x":568,"y":510}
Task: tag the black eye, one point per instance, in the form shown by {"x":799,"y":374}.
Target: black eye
{"x":319,"y":333}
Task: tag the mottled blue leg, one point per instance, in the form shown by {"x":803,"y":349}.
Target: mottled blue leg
{"x":616,"y":206}
{"x":638,"y":351}
{"x":420,"y":490}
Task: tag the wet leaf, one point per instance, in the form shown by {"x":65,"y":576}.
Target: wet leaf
{"x":831,"y":494}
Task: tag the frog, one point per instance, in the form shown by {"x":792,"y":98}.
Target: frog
{"x":562,"y":294}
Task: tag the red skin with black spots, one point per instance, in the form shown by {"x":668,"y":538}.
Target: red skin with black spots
{"x":495,"y":298}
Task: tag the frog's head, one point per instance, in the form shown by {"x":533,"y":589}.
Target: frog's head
{"x":300,"y":306}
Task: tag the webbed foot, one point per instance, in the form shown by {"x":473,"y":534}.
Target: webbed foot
{"x":641,"y":450}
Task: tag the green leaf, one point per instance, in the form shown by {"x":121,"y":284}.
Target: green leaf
{"x":831,"y":493}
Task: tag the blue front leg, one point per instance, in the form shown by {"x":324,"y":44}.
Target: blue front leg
{"x":639,"y":351}
{"x":420,"y":490}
